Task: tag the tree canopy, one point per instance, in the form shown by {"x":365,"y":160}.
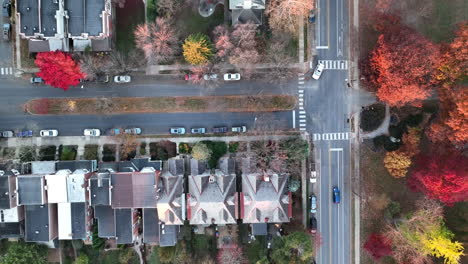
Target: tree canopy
{"x":197,"y":49}
{"x":58,"y":69}
{"x":24,"y":253}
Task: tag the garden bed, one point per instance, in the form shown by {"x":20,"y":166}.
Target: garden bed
{"x":68,"y":152}
{"x":162,"y":150}
{"x":126,"y":105}
{"x":108,"y":152}
{"x":91,"y":152}
{"x":47,"y":153}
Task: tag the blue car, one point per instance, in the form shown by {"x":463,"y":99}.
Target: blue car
{"x":336,"y":195}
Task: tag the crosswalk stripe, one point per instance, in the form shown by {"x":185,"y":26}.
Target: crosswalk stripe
{"x":302,"y":121}
{"x":301,"y":99}
{"x":301,"y":95}
{"x":3,"y":71}
{"x":302,"y":129}
{"x":302,"y":116}
{"x":301,"y":108}
{"x":302,"y":112}
{"x":335,"y":64}
{"x":302,"y":125}
{"x":11,"y":70}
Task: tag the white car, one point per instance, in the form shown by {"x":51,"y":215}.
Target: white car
{"x":232,"y":76}
{"x":122,"y":79}
{"x":210,"y":77}
{"x":49,"y":133}
{"x":92,"y":132}
{"x":318,"y":71}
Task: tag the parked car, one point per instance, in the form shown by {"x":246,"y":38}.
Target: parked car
{"x":232,"y":76}
{"x":239,"y":129}
{"x":198,"y":130}
{"x":7,"y":8}
{"x":313,"y":204}
{"x":313,"y":225}
{"x":24,"y":133}
{"x":220,"y":129}
{"x":115,"y":131}
{"x":313,"y":176}
{"x":100,"y":78}
{"x":49,"y":133}
{"x":177,"y":130}
{"x":336,"y":195}
{"x":36,"y":80}
{"x":6,"y":134}
{"x":210,"y":77}
{"x":122,"y":79}
{"x":192,"y":77}
{"x":318,"y":71}
{"x":133,"y":131}
{"x":92,"y":132}
{"x":6,"y":31}
{"x":312,"y":16}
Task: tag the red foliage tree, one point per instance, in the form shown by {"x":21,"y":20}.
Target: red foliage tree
{"x":378,"y":246}
{"x":402,"y":65}
{"x":58,"y":69}
{"x":454,"y":61}
{"x":441,"y":176}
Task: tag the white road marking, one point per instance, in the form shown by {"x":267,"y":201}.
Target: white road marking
{"x":294,"y":118}
{"x":302,"y":116}
{"x":302,"y":125}
{"x":302,"y":112}
{"x":335,"y":64}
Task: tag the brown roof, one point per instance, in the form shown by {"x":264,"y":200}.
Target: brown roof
{"x":134,"y":190}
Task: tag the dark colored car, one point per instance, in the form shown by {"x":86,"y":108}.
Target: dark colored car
{"x":24,"y":133}
{"x":313,"y":225}
{"x":220,"y":129}
{"x":336,"y":195}
{"x":100,"y":78}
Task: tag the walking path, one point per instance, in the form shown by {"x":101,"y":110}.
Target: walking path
{"x":382,"y":129}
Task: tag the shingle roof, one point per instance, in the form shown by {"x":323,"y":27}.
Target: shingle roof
{"x":5,"y":192}
{"x":73,"y":165}
{"x":48,"y":21}
{"x":123,"y":226}
{"x":134,"y":190}
{"x":42,"y":167}
{"x":150,"y":225}
{"x":78,"y":217}
{"x":11,"y":230}
{"x":99,"y":185}
{"x":265,"y":197}
{"x":37,"y":222}
{"x":169,"y":237}
{"x":171,"y":199}
{"x":213,"y":198}
{"x":259,"y":229}
{"x":29,"y":11}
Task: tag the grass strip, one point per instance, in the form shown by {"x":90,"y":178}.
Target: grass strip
{"x":126,"y":105}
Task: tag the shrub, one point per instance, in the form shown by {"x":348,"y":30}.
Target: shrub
{"x":143,"y":148}
{"x":9,"y":153}
{"x":185,"y":148}
{"x":47,"y":153}
{"x":413,"y":120}
{"x":197,"y":49}
{"x":393,"y":209}
{"x":108,"y":152}
{"x":218,"y":149}
{"x":378,"y":246}
{"x":372,"y":116}
{"x":201,"y":152}
{"x":233,"y":147}
{"x":91,"y":152}
{"x":27,"y":153}
{"x":67,"y":152}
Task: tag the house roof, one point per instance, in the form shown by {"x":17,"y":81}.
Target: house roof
{"x":150,"y":225}
{"x":106,"y":220}
{"x":131,"y":165}
{"x":134,"y":190}
{"x":246,"y":4}
{"x":84,"y":17}
{"x":29,"y":11}
{"x":99,"y":185}
{"x":57,"y":187}
{"x":42,"y":167}
{"x":14,"y":214}
{"x":31,"y":190}
{"x":168,"y":238}
{"x":171,"y":202}
{"x":76,"y":187}
{"x":48,"y":20}
{"x":64,"y":221}
{"x":242,"y":16}
{"x":265,"y":197}
{"x":78,"y":217}
{"x":176,"y":166}
{"x":123,"y":226}
{"x":213,"y":197}
{"x":73,"y":165}
{"x":259,"y":229}
{"x":37,"y":223}
{"x":7,"y":194}
{"x":11,"y":230}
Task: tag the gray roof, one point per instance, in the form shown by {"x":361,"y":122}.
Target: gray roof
{"x":171,"y":202}
{"x":5,"y":192}
{"x":123,"y":226}
{"x":106,"y":220}
{"x":259,"y":229}
{"x":84,"y":16}
{"x":265,"y":197}
{"x":150,"y":225}
{"x":242,"y":16}
{"x":101,"y":44}
{"x":134,"y":190}
{"x":37,"y":222}
{"x":131,"y":165}
{"x":197,"y":166}
{"x":11,"y":230}
{"x":48,"y":21}
{"x":99,"y":185}
{"x":30,"y":190}
{"x":78,"y":216}
{"x":42,"y":167}
{"x":72,"y":165}
{"x":169,"y":238}
{"x":213,"y":198}
{"x":29,"y":10}
{"x":227,"y":165}
{"x":176,"y":166}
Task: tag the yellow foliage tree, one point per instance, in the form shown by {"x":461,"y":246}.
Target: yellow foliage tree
{"x":397,"y":163}
{"x":197,"y":49}
{"x":440,"y":245}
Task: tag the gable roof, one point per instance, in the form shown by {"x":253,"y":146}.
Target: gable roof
{"x":171,"y":198}
{"x":73,"y":165}
{"x":71,"y":220}
{"x":265,"y":197}
{"x":43,"y":167}
{"x":150,"y":225}
{"x":131,"y":165}
{"x":134,"y":190}
{"x":213,"y":198}
{"x":11,"y":230}
{"x":246,"y":4}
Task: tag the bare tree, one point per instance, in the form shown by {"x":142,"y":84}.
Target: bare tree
{"x":168,"y":8}
{"x":245,"y":53}
{"x":157,"y":40}
{"x":283,"y":15}
{"x":276,"y":55}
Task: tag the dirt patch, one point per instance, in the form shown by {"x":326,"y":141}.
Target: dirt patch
{"x":126,"y":105}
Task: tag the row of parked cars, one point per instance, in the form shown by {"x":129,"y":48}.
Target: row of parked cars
{"x":202,"y":130}
{"x":91,"y":132}
{"x":336,"y":197}
{"x":213,"y":77}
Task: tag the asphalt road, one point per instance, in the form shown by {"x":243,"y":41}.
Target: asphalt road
{"x":15,"y":92}
{"x":328,"y":103}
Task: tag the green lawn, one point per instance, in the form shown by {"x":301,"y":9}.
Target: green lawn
{"x":128,"y":18}
{"x":191,"y":22}
{"x":444,"y":18}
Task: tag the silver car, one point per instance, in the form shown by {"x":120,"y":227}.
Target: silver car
{"x":122,"y":79}
{"x":49,"y":133}
{"x":313,"y":204}
{"x":92,"y":132}
{"x":177,"y":130}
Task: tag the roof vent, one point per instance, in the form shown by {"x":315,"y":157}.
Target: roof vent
{"x":2,"y":173}
{"x":15,"y":172}
{"x":266,"y":177}
{"x":211,"y":179}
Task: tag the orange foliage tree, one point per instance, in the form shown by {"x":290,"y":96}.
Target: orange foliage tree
{"x":283,"y":15}
{"x":402,"y":65}
{"x":454,"y":62}
{"x":397,"y":163}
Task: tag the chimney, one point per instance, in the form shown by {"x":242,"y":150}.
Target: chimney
{"x":212,"y":179}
